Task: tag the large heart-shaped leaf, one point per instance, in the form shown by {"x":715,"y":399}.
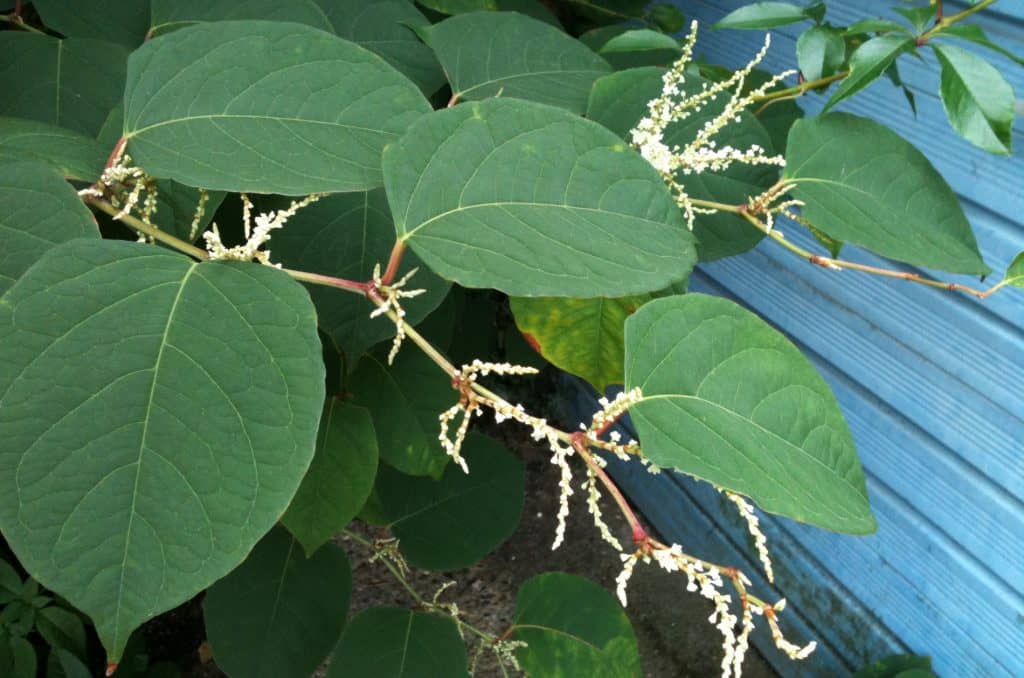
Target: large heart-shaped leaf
{"x":581,"y":336}
{"x":389,"y":642}
{"x":780,"y":439}
{"x":73,"y":154}
{"x":573,"y":627}
{"x":533,"y":201}
{"x":862,"y":183}
{"x":38,"y":210}
{"x":453,"y":523}
{"x":157,"y":417}
{"x":404,"y":400}
{"x":264,"y":107}
{"x":70,"y":83}
{"x":978,"y":101}
{"x":112,"y":20}
{"x":340,"y":478}
{"x":619,"y":101}
{"x":384,"y":28}
{"x":170,"y":15}
{"x":526,"y":59}
{"x":279,"y":614}
{"x":346,"y":235}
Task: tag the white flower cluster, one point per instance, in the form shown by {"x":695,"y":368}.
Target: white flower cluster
{"x":506,"y":652}
{"x":702,"y":154}
{"x":606,"y":417}
{"x":594,"y":506}
{"x":121,"y":174}
{"x":753,"y":525}
{"x":387,"y":549}
{"x":391,"y":294}
{"x":255,"y":235}
{"x":470,"y":403}
{"x":708,"y":580}
{"x":197,"y":217}
{"x":764,"y":204}
{"x":451,"y":609}
{"x":792,"y":651}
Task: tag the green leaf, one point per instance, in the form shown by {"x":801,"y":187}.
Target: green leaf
{"x":388,"y":642}
{"x":279,"y":614}
{"x":340,"y":478}
{"x":875,"y":26}
{"x":864,"y":184}
{"x":978,"y":101}
{"x":460,"y":6}
{"x":780,"y":439}
{"x":453,"y":523}
{"x":22,"y":658}
{"x":573,"y":627}
{"x":820,"y":52}
{"x":38,"y":210}
{"x":170,"y":15}
{"x":1015,"y":273}
{"x":264,"y":107}
{"x":581,"y":336}
{"x":9,"y":579}
{"x":605,"y":11}
{"x":919,"y":17}
{"x":405,"y":400}
{"x":115,"y":21}
{"x":131,"y":479}
{"x":526,"y":59}
{"x":619,"y":101}
{"x":346,"y":236}
{"x":533,"y":201}
{"x":63,"y":664}
{"x":762,"y":15}
{"x":384,"y":28}
{"x":62,"y":629}
{"x":666,"y":17}
{"x":640,"y":47}
{"x":977,"y":35}
{"x":868,"y":62}
{"x":69,"y":83}
{"x":73,"y":154}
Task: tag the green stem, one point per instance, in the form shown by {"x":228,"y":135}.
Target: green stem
{"x":191,"y":250}
{"x":802,"y":88}
{"x":153,"y":232}
{"x":829,"y":262}
{"x":948,"y":21}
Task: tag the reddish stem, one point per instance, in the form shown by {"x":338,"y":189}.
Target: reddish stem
{"x":394,"y":261}
{"x":579,"y":443}
{"x":454,"y":100}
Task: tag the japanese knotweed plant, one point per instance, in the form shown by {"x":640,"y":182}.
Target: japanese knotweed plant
{"x":179,"y":417}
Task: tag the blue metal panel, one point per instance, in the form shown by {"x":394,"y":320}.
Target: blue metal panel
{"x":932,"y":385}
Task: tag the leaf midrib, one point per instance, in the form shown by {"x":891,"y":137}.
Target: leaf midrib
{"x":504,"y":203}
{"x":274,"y":118}
{"x":142,"y":447}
